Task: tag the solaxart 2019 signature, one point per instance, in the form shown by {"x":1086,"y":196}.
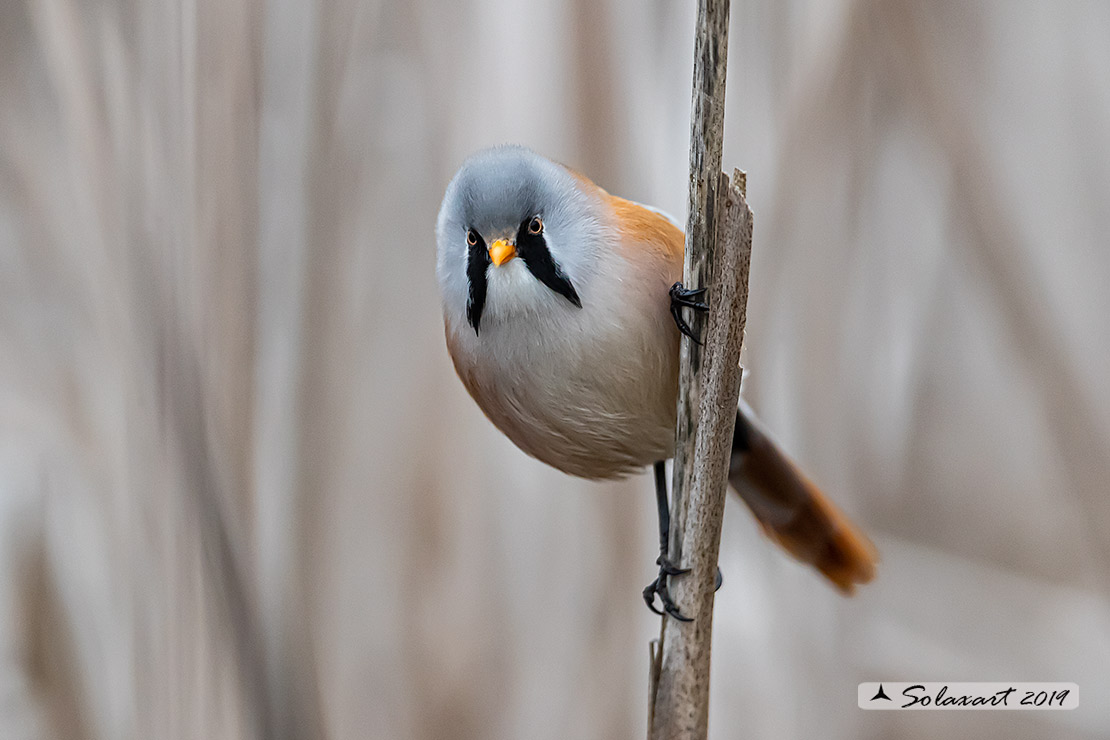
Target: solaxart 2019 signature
{"x":967,"y":696}
{"x":917,"y":694}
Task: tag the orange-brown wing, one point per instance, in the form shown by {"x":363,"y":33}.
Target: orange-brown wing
{"x":645,"y":228}
{"x":642,"y":227}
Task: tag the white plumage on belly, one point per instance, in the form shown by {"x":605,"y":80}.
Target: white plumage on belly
{"x":591,"y":390}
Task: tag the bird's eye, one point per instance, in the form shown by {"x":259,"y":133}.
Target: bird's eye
{"x":472,"y":237}
{"x":535,"y":226}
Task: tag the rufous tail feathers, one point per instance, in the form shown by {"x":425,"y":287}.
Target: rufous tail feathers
{"x":794,"y":512}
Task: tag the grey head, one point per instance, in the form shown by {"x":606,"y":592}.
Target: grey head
{"x":516,"y":234}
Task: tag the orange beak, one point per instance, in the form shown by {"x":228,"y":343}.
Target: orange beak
{"x":501,"y":251}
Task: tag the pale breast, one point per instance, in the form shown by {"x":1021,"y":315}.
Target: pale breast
{"x":590,"y":391}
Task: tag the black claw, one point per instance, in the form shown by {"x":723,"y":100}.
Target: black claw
{"x":682,"y":325}
{"x":666,"y":567}
{"x":686,"y":297}
{"x":673,"y":611}
{"x":681,"y":297}
{"x":659,"y":586}
{"x":649,"y":596}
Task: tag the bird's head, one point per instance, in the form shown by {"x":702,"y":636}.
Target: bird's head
{"x":517,"y":235}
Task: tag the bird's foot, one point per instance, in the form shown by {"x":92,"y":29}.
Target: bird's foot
{"x":680,"y":298}
{"x":659,"y":587}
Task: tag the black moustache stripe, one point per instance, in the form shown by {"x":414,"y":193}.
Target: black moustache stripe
{"x":477,"y":261}
{"x":532,"y":248}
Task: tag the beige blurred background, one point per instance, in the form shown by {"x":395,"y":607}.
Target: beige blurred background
{"x":242,"y":494}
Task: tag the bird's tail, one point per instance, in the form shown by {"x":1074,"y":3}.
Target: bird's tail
{"x":793,"y":511}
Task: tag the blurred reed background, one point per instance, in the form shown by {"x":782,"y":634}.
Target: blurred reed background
{"x":242,"y":494}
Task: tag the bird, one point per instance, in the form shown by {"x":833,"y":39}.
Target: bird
{"x":563,"y":314}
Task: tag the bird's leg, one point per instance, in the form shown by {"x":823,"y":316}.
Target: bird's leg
{"x":681,"y":297}
{"x":666,"y":567}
